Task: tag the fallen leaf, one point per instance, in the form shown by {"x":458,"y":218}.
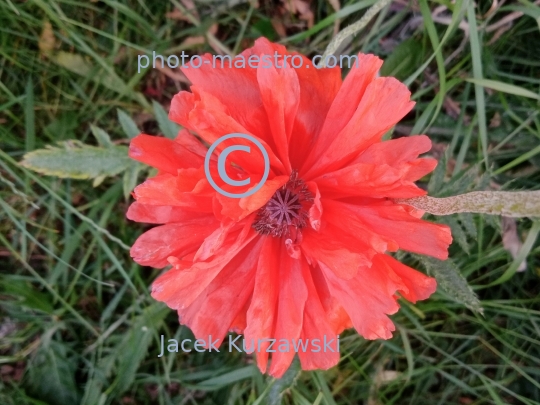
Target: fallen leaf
{"x":279,"y":27}
{"x":175,"y":74}
{"x":191,"y":41}
{"x":302,"y":8}
{"x":47,"y":41}
{"x":379,"y":379}
{"x":451,"y":107}
{"x":511,"y":241}
{"x":177,"y":14}
{"x":495,"y":120}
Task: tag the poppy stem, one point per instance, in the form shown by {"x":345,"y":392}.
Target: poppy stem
{"x":352,"y":29}
{"x":508,"y":203}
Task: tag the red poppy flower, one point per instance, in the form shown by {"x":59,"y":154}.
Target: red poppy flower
{"x":305,"y":256}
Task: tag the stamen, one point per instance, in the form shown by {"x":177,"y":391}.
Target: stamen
{"x":286,"y":211}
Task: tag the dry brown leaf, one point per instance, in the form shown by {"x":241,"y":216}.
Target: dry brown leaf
{"x":212,"y":41}
{"x":191,"y":41}
{"x":511,"y":241}
{"x":303,"y":9}
{"x":176,"y":14}
{"x":279,"y":27}
{"x":47,"y":40}
{"x":437,"y":149}
{"x":381,"y":378}
{"x":175,"y":74}
{"x":492,"y":9}
{"x":451,"y":107}
{"x":495,"y":120}
{"x":499,"y":33}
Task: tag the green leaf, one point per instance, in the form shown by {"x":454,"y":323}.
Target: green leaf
{"x":101,"y":136}
{"x":167,"y":127}
{"x":467,"y":220}
{"x":29,"y":116}
{"x":129,"y":181}
{"x":284,"y":383}
{"x":264,"y":28}
{"x":127,"y":124}
{"x":476,"y":55}
{"x":27,"y":295}
{"x":505,"y":88}
{"x":403,"y":60}
{"x":458,"y":234}
{"x":133,"y":348}
{"x":82,"y":66}
{"x":229,"y":378}
{"x":51,"y":375}
{"x":73,"y":159}
{"x":436,"y":180}
{"x":460,"y":183}
{"x":530,"y":9}
{"x":452,"y":282}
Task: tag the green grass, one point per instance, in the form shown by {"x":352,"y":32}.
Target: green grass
{"x":77,"y":322}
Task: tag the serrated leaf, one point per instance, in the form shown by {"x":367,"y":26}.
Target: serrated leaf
{"x":452,"y":282}
{"x":127,"y":124}
{"x":51,"y":375}
{"x":101,"y":136}
{"x":73,"y":159}
{"x":167,"y":127}
{"x":467,"y":220}
{"x":437,"y":177}
{"x":133,"y":348}
{"x":483,"y":182}
{"x":458,"y":234}
{"x":461,"y":183}
{"x":95,"y":388}
{"x":494,"y":222}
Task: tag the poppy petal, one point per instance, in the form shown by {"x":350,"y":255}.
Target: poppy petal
{"x":346,"y":102}
{"x":383,"y":104}
{"x":289,"y":313}
{"x":419,"y":286}
{"x":316,"y":327}
{"x":155,"y":214}
{"x":408,"y":232}
{"x":261,"y":312}
{"x":178,"y":288}
{"x":163,"y":154}
{"x":153,"y":247}
{"x":231,"y":289}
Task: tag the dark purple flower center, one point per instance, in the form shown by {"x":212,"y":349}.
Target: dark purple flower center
{"x":287,"y":209}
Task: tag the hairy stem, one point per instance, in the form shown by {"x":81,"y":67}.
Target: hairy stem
{"x":508,"y":203}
